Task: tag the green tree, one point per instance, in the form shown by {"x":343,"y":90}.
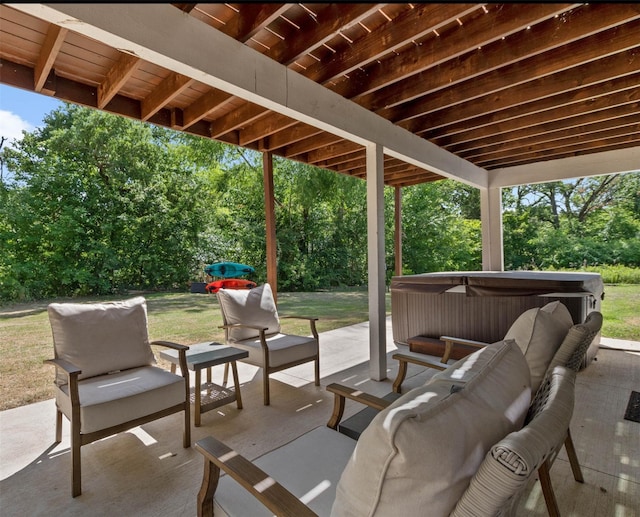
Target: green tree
{"x":97,"y":203}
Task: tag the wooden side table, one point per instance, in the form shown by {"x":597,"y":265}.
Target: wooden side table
{"x":206,"y":355}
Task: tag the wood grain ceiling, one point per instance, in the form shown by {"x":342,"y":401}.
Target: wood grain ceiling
{"x":499,"y":85}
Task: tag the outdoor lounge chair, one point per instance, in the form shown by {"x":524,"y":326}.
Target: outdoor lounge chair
{"x":106,"y":381}
{"x":251,"y":322}
{"x":455,"y":446}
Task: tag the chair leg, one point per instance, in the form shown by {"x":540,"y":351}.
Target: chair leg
{"x":265,"y":386}
{"x":317,"y":370}
{"x":402,"y":373}
{"x":76,"y":469}
{"x":225,"y":376}
{"x":573,"y":458}
{"x":58,"y":425}
{"x":547,"y":490}
{"x":186,"y":435}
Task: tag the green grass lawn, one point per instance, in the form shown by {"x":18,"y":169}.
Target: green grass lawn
{"x":25,"y":335}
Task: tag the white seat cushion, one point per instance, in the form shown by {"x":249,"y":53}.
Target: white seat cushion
{"x":539,"y":333}
{"x":310,"y":476}
{"x":109,"y":400}
{"x":418,"y":455}
{"x":101,"y":337}
{"x":283,"y":349}
{"x":254,"y":307}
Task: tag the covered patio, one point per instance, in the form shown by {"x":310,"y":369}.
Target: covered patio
{"x":146,"y":472}
{"x":492,"y":95}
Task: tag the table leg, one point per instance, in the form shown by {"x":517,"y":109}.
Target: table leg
{"x":236,"y":384}
{"x":209,"y":375}
{"x":197,"y":392}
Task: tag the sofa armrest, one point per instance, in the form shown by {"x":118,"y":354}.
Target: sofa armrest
{"x":344,"y":392}
{"x":217,"y":456}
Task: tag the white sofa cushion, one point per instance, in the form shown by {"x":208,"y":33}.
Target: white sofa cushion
{"x":283,"y":349}
{"x":113,"y":399}
{"x":251,"y":307}
{"x":310,"y":476}
{"x":101,"y":337}
{"x":419,"y":454}
{"x":539,"y":333}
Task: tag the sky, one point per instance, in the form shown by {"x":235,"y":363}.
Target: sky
{"x":22,"y":110}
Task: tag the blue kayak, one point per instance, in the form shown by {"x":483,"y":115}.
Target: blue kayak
{"x":228,"y":269}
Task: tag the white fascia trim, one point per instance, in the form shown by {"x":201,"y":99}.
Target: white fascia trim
{"x":595,"y":164}
{"x":161,"y":34}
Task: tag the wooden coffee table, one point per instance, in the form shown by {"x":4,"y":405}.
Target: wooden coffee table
{"x":206,"y":355}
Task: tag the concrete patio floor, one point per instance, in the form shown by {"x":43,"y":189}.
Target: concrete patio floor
{"x":146,"y":472}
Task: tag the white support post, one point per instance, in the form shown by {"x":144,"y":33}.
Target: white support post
{"x":491,"y":216}
{"x":375,"y":239}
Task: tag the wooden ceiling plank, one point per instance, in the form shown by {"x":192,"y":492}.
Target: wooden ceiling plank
{"x":48,"y":52}
{"x":586,"y":123}
{"x":566,"y":140}
{"x":569,"y":63}
{"x":332,"y":151}
{"x":116,"y":77}
{"x":400,"y":31}
{"x":236,"y":119}
{"x":600,"y":70}
{"x":544,"y":37}
{"x":315,"y":32}
{"x":311,"y":144}
{"x":289,"y":136}
{"x":204,"y":105}
{"x":167,"y":90}
{"x":266,"y":126}
{"x":569,"y":151}
{"x":355,"y":155}
{"x":252,"y":18}
{"x":187,"y":8}
{"x":501,"y":21}
{"x":585,"y":99}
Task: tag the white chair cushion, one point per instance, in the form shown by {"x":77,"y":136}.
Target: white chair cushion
{"x":310,"y":476}
{"x":252,"y":307}
{"x":109,"y":400}
{"x":101,"y":337}
{"x":283,"y":349}
{"x":419,"y":454}
{"x":539,"y":333}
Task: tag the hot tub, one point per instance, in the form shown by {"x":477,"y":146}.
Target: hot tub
{"x":482,"y":305}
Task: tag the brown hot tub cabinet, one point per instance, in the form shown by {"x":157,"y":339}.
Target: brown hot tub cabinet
{"x":482,"y":305}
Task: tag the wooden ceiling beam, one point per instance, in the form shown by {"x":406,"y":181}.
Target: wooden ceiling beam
{"x":236,"y":119}
{"x":48,"y":52}
{"x":593,"y":72}
{"x":167,"y":90}
{"x":311,"y":144}
{"x":544,"y":37}
{"x":568,"y":139}
{"x":204,"y":105}
{"x":330,"y":20}
{"x":265,"y":126}
{"x":400,"y":31}
{"x":587,"y":99}
{"x":116,"y":78}
{"x":587,"y":123}
{"x":527,"y":80}
{"x":289,"y":136}
{"x":502,"y":20}
{"x":252,"y":18}
{"x":332,"y":151}
{"x":569,"y":151}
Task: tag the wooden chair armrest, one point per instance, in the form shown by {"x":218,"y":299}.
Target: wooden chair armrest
{"x":170,"y":344}
{"x":298,"y":317}
{"x":345,"y":392}
{"x":242,"y":325}
{"x":69,"y":368}
{"x":420,"y":361}
{"x":217,"y":456}
{"x":462,"y":341}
